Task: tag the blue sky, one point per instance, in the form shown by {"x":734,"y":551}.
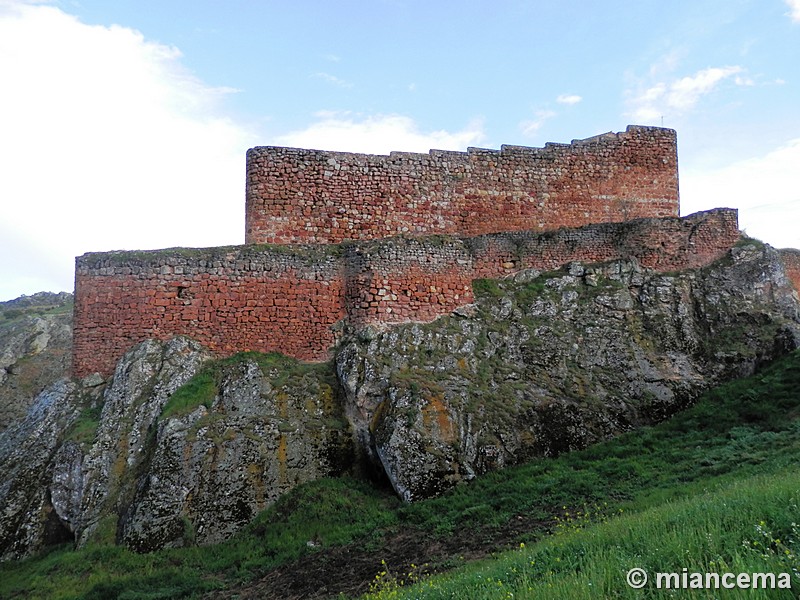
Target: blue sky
{"x":124,"y":125}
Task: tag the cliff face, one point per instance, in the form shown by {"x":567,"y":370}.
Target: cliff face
{"x":70,"y":466}
{"x":177,"y":448}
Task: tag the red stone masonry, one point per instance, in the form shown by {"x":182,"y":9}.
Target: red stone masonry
{"x":229,"y":298}
{"x":299,"y":196}
{"x":293,"y":299}
{"x":791,"y":260}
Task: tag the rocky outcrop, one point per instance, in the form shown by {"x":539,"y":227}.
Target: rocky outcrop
{"x":28,"y":458}
{"x":130,"y":461}
{"x":143,"y":382}
{"x":271,"y":425}
{"x":545,"y":363}
{"x":71,"y":465}
{"x":179,"y":448}
{"x":35,"y":348}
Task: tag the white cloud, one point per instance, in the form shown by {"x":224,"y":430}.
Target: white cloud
{"x":107,"y":142}
{"x":378,"y":134}
{"x":794,"y":10}
{"x":765,"y":189}
{"x":332,"y":79}
{"x":684,"y":93}
{"x":653,"y":93}
{"x":568,"y":99}
{"x":668,"y":62}
{"x":530,"y":127}
{"x":680,"y":95}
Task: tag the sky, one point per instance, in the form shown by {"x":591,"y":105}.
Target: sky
{"x":124,"y":124}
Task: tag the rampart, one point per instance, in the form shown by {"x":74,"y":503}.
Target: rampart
{"x":294,"y":299}
{"x":299,"y":196}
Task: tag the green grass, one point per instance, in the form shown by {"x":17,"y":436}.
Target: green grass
{"x":199,"y":390}
{"x":745,"y":527}
{"x":12,"y":314}
{"x":327,"y":512}
{"x":690,"y":491}
{"x":488,"y":288}
{"x":84,"y":428}
{"x":204,"y":386}
{"x":524,"y":293}
{"x":716,"y":478}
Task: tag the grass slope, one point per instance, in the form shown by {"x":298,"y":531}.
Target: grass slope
{"x":714,"y":488}
{"x":745,"y":527}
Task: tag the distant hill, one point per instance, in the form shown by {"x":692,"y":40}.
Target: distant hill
{"x":35,"y":349}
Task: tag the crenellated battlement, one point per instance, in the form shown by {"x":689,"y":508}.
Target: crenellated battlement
{"x":299,"y":196}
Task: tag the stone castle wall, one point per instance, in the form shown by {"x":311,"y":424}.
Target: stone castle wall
{"x":299,"y":196}
{"x":791,"y":260}
{"x":293,"y":299}
{"x":229,"y":298}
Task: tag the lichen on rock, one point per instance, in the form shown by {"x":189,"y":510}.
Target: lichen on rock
{"x":551,"y":362}
{"x":272,"y":425}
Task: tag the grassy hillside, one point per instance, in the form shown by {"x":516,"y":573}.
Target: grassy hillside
{"x":747,"y":526}
{"x":715,"y":488}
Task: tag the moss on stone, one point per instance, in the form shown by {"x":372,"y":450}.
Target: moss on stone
{"x":84,"y":428}
{"x":487,"y":288}
{"x":282,"y":370}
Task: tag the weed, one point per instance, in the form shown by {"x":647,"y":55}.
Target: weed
{"x":387,"y":585}
{"x":487,"y":288}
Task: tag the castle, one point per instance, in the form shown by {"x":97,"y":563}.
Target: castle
{"x":337,"y":238}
